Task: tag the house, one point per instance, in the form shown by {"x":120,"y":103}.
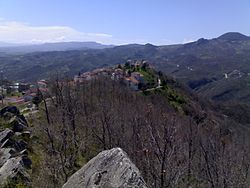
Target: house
{"x":138,"y":76}
{"x":137,"y":63}
{"x":13,"y":88}
{"x":86,"y":76}
{"x":16,"y":100}
{"x":235,"y":74}
{"x":132,"y":82}
{"x":17,"y":87}
{"x":77,"y":78}
{"x":27,"y":98}
{"x":159,"y":82}
{"x":118,"y":74}
{"x":113,"y":77}
{"x":3,"y":90}
{"x":23,"y":87}
{"x":33,"y":89}
{"x":42,"y":84}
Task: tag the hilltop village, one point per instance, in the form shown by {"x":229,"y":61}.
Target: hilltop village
{"x":21,"y":93}
{"x":138,"y":75}
{"x":135,"y":74}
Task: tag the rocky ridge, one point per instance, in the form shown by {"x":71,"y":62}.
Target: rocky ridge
{"x":14,"y":137}
{"x":109,"y":169}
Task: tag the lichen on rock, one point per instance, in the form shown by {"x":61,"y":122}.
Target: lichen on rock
{"x":109,"y":169}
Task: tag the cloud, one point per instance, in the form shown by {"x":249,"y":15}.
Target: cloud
{"x":187,"y":41}
{"x":99,"y":35}
{"x":24,"y":33}
{"x":18,"y":32}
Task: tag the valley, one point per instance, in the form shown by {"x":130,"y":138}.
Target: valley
{"x":216,"y":69}
{"x":124,"y":94}
{"x":180,"y":112}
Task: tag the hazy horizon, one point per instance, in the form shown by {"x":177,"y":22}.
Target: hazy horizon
{"x":124,"y":22}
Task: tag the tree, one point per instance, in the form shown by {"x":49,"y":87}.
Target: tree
{"x":171,"y":149}
{"x":38,"y":98}
{"x":119,"y":66}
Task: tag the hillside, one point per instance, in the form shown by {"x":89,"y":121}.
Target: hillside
{"x":216,"y":69}
{"x":173,"y":138}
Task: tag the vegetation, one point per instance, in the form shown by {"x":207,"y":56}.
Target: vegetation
{"x":201,"y":65}
{"x":171,"y":149}
{"x":38,"y":98}
{"x":15,"y":184}
{"x":174,"y":138}
{"x":150,"y":85}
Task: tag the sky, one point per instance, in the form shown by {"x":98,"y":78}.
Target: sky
{"x":121,"y":21}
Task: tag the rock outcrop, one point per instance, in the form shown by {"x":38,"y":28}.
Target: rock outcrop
{"x":13,"y":168}
{"x":14,"y":160}
{"x":5,"y":135}
{"x":9,"y":109}
{"x":109,"y":169}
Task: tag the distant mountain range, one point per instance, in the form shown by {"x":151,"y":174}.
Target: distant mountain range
{"x":60,"y":46}
{"x":217,"y":69}
{"x":6,"y":44}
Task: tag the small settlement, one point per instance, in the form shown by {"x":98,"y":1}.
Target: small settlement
{"x":21,"y":93}
{"x":135,"y":74}
{"x":132,"y":74}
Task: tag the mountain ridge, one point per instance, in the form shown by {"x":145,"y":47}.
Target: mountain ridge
{"x":216,"y":69}
{"x":46,"y":47}
{"x":233,"y":36}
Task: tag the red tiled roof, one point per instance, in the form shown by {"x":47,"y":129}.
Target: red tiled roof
{"x":133,"y":80}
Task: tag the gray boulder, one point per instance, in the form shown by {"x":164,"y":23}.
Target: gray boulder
{"x":4,"y":135}
{"x":109,"y":169}
{"x":25,"y":135}
{"x":14,"y":160}
{"x":13,"y":169}
{"x":8,"y":143}
{"x":5,"y":155}
{"x":20,"y":145}
{"x":18,"y":124}
{"x":10,"y":109}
